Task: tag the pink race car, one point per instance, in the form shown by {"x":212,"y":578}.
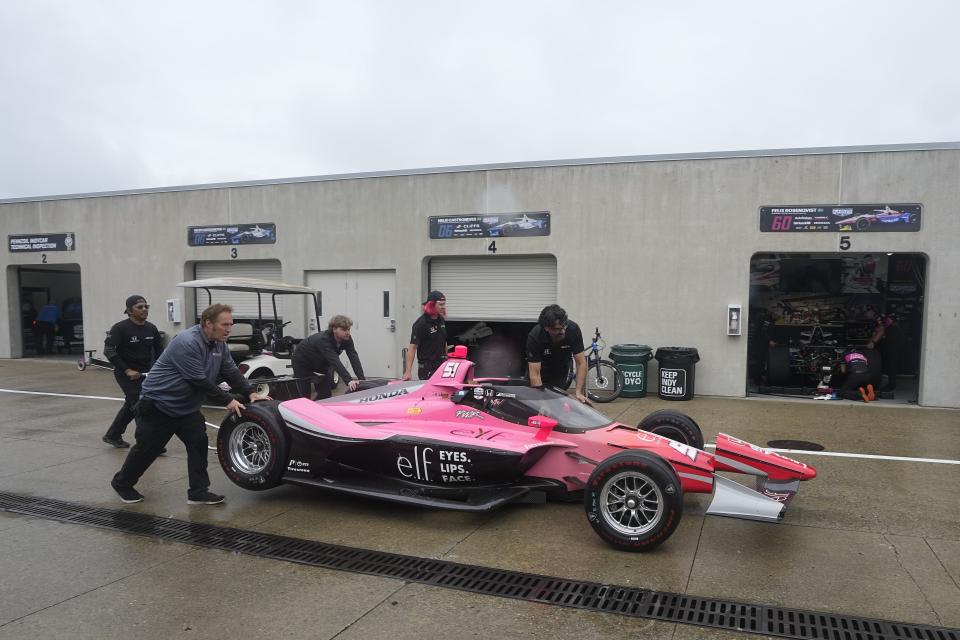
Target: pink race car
{"x":453,"y":442}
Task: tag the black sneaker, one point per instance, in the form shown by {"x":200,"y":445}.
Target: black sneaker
{"x":207,"y":497}
{"x":130,"y":496}
{"x":119,"y":443}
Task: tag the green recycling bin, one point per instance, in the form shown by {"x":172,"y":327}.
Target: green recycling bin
{"x":632,"y":359}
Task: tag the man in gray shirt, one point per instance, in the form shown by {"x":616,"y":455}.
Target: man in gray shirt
{"x":178,"y":383}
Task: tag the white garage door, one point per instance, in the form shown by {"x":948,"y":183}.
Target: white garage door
{"x":244,"y":304}
{"x":495,"y":287}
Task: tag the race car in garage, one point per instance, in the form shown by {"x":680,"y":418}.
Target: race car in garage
{"x":455,"y":442}
{"x":886,"y":215}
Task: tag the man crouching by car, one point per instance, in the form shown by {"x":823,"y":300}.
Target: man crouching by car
{"x":179,"y":382}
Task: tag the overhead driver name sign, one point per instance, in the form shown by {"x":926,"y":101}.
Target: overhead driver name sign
{"x":259,"y":233}
{"x":490,"y":225}
{"x":841,"y":217}
{"x":42,"y":242}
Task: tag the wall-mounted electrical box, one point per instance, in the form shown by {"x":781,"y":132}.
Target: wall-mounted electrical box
{"x":174,"y":311}
{"x":734,"y":316}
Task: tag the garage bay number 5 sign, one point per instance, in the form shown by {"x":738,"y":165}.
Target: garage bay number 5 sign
{"x":858,"y":218}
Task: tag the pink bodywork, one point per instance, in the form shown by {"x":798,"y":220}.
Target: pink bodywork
{"x":424,"y":410}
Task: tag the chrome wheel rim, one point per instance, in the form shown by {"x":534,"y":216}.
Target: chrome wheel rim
{"x":249,"y":448}
{"x":631,"y":503}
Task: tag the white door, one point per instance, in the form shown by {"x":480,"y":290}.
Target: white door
{"x":367,"y":297}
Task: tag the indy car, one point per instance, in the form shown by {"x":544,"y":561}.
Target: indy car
{"x":877,"y":216}
{"x":455,"y":442}
{"x":516,"y":225}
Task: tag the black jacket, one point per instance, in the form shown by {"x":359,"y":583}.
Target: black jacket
{"x":320,"y":352}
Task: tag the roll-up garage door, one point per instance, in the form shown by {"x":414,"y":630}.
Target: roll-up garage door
{"x":495,"y":287}
{"x":244,"y":304}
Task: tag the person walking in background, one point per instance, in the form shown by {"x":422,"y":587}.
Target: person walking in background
{"x":47,"y":320}
{"x":132,"y":346}
{"x":184,"y":376}
{"x":320,"y":353}
{"x":551,"y":344}
{"x":428,"y":339}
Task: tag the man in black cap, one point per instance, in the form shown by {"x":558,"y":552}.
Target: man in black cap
{"x":132,"y":346}
{"x":428,"y":340}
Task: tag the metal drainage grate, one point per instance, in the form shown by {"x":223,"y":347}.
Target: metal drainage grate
{"x":797,"y":445}
{"x":628,"y":601}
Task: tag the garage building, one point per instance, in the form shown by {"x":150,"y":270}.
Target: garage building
{"x":661,"y":250}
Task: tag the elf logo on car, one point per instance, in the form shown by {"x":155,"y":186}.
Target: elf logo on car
{"x":418,"y":468}
{"x":685,"y":450}
{"x":385,"y":395}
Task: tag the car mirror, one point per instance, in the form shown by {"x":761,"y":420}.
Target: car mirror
{"x":544,"y":424}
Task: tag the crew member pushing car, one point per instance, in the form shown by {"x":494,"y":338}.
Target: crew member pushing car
{"x":183,"y":377}
{"x":132,"y":346}
{"x":550,"y":346}
{"x":428,"y":340}
{"x":320,"y":353}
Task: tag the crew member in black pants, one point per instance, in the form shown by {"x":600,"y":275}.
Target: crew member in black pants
{"x":320,"y":353}
{"x":181,"y":380}
{"x":428,"y":339}
{"x":854,"y":381}
{"x":132,"y":346}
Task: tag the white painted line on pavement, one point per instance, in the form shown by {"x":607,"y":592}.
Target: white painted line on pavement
{"x":865,"y":456}
{"x":59,"y":395}
{"x":82,"y":397}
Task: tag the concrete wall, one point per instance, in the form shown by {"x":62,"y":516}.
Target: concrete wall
{"x":651,"y":252}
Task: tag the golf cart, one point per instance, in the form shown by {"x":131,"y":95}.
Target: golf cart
{"x":261,"y":351}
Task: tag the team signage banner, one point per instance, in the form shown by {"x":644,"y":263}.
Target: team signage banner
{"x":843,"y":217}
{"x":42,"y":242}
{"x":259,"y":233}
{"x":490,"y":225}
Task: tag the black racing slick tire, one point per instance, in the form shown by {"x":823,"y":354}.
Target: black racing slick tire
{"x":674,"y":425}
{"x":778,"y":366}
{"x":252,"y":448}
{"x":634,"y":500}
{"x":604,"y":383}
{"x":862,"y":224}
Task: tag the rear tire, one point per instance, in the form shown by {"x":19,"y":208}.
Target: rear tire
{"x":252,"y":448}
{"x":634,"y":500}
{"x":778,"y":366}
{"x":674,"y":425}
{"x":605,"y":385}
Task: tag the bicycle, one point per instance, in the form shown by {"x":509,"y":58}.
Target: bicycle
{"x":604,"y":378}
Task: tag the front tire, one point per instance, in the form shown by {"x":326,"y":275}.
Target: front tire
{"x":634,"y":500}
{"x":604,"y":385}
{"x":252,"y":448}
{"x":674,"y":425}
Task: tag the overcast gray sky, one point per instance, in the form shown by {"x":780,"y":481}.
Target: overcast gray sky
{"x":107,"y":95}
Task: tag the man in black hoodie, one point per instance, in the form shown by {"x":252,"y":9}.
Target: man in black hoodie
{"x":320,"y":353}
{"x":132,"y":346}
